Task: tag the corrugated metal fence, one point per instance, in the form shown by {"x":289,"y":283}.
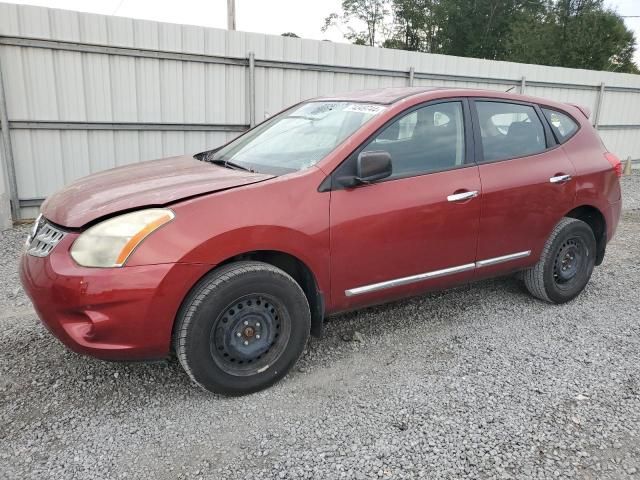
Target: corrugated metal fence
{"x":87,"y":92}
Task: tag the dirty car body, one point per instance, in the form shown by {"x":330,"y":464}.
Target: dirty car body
{"x":334,"y":204}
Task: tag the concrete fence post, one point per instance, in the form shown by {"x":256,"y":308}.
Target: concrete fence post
{"x":628,"y":166}
{"x":523,"y":85}
{"x":412,"y":73}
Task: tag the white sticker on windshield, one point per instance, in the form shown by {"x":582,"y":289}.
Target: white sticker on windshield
{"x":369,"y":108}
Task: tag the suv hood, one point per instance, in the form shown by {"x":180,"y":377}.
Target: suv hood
{"x":152,"y":183}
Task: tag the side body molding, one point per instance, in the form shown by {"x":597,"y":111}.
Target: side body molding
{"x":396,"y":282}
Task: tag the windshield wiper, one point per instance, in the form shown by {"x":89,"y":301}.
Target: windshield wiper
{"x":228,"y":164}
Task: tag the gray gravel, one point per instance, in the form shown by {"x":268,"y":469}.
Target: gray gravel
{"x":631,"y":191}
{"x":479,"y":382}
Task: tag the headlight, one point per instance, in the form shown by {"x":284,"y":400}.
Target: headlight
{"x":109,"y":243}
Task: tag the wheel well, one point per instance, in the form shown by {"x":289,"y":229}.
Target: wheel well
{"x":594,"y":218}
{"x":300,"y":273}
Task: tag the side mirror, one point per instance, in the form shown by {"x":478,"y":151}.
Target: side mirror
{"x":370,"y":167}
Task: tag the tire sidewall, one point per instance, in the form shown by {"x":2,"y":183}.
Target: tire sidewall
{"x":207,"y":309}
{"x":580,"y":230}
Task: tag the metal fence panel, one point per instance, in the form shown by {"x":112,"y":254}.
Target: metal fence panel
{"x":88,"y":92}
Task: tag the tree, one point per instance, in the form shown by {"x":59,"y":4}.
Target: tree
{"x":568,"y":33}
{"x":479,"y":28}
{"x":370,"y":14}
{"x":576,"y":34}
{"x":531,"y":36}
{"x":414,"y":25}
{"x":593,"y":37}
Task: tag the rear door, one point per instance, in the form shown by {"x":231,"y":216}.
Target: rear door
{"x":527,"y":184}
{"x":416,"y":229}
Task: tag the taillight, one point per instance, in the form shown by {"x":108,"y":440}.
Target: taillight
{"x":615,"y":163}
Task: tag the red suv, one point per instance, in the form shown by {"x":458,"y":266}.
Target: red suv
{"x":233,"y":257}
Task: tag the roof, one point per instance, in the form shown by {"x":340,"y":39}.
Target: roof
{"x":381,"y":95}
{"x":387,"y":96}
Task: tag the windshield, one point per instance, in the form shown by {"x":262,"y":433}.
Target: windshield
{"x":297,"y":138}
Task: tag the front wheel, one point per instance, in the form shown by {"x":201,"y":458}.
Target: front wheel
{"x":242,"y":328}
{"x":566,"y":263}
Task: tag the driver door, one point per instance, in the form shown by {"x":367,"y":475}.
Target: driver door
{"x":417,"y":229}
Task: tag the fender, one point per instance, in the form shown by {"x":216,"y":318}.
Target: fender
{"x":309,"y":250}
{"x":213,"y":228}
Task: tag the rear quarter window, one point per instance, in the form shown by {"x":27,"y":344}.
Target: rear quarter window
{"x":563,"y":125}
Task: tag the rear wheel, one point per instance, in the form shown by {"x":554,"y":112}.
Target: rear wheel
{"x":566,"y":263}
{"x":242,"y":328}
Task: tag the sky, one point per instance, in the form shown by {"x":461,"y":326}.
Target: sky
{"x":303,"y":17}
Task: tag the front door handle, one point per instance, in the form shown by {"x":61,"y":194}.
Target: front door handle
{"x":560,"y":179}
{"x":458,"y":197}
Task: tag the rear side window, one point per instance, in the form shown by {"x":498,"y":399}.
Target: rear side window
{"x":509,"y":130}
{"x":563,"y":126}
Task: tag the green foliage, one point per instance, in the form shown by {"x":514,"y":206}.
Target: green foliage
{"x":577,"y":34}
{"x":369,"y":17}
{"x":568,"y":33}
{"x":414,"y":26}
{"x":479,"y":28}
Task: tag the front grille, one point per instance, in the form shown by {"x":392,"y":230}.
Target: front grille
{"x":44,"y":237}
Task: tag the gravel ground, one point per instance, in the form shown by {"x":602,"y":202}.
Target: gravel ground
{"x":631,"y":191}
{"x":479,"y":382}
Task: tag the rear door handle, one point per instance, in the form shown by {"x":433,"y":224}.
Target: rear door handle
{"x":458,"y":197}
{"x":560,"y":179}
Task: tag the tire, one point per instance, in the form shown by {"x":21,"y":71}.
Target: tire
{"x":566,"y":263}
{"x":242,"y":328}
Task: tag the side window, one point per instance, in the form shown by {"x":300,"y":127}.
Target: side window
{"x":563,"y":126}
{"x":509,"y":130}
{"x":426,"y":140}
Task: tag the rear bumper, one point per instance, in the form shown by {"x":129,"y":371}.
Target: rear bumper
{"x":112,"y":313}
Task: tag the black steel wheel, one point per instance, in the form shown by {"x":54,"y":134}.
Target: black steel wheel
{"x":249,"y":334}
{"x":242,"y":328}
{"x":566,"y":263}
{"x":569,"y":261}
